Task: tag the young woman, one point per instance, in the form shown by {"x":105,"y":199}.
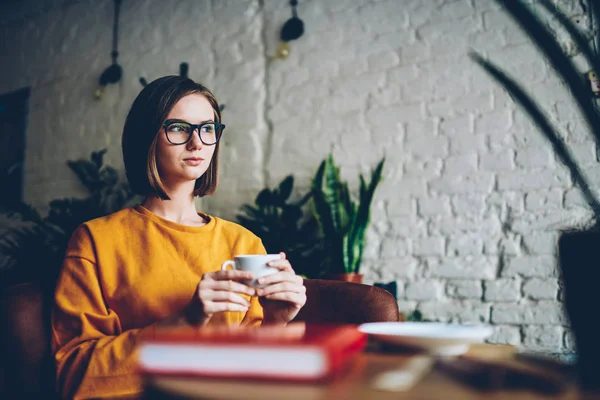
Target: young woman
{"x":158,"y":263}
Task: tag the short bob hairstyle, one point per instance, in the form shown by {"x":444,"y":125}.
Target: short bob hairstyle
{"x":140,"y":134}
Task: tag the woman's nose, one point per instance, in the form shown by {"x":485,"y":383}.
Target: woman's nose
{"x":195,"y":142}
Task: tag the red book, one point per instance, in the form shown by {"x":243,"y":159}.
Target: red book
{"x":296,"y":352}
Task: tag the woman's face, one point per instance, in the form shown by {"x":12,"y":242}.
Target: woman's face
{"x":185,"y":162}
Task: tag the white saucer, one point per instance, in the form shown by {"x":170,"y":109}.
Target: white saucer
{"x":435,"y":338}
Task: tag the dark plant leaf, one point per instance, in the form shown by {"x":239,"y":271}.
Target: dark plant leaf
{"x":264,"y":198}
{"x":97,"y":157}
{"x":545,"y":127}
{"x":545,"y":40}
{"x":282,"y":226}
{"x":34,"y":251}
{"x":285,"y":188}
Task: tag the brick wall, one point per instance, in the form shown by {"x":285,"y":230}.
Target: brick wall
{"x":467,"y":216}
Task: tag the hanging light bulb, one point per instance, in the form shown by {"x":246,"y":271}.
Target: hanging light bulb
{"x":283,"y":51}
{"x":98,"y":93}
{"x":113,"y":73}
{"x":291,"y":30}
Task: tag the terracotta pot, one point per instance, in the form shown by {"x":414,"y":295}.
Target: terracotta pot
{"x":352,"y":277}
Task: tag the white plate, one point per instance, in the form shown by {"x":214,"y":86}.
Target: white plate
{"x":436,"y":338}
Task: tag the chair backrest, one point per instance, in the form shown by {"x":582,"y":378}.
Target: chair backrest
{"x":26,"y":363}
{"x":338,"y":302}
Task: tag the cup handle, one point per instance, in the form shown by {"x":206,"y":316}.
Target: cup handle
{"x":227,"y":264}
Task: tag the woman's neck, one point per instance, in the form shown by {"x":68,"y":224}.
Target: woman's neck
{"x":180,"y":208}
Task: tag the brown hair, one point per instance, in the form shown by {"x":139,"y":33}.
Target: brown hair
{"x":140,"y":133}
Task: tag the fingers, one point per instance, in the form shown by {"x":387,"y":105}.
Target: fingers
{"x":227,"y":286}
{"x":298,"y":299}
{"x":214,"y":301}
{"x":226,"y":297}
{"x":286,"y":286}
{"x":220,"y":306}
{"x":221,"y":291}
{"x":282,"y":264}
{"x":290,"y":291}
{"x":229,"y":274}
{"x":282,"y":276}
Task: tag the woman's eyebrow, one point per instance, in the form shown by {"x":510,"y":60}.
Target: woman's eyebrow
{"x":187,"y":122}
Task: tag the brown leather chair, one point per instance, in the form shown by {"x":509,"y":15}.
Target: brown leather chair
{"x":26,"y":365}
{"x":28,"y":369}
{"x":337,"y":302}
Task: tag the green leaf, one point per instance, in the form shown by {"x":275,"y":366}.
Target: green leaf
{"x":282,"y":226}
{"x":285,"y":188}
{"x":87,"y":173}
{"x":24,"y":211}
{"x":264,"y":198}
{"x":97,"y":157}
{"x":346,"y":256}
{"x":331,"y":192}
{"x":108,"y":177}
{"x":362,"y":216}
{"x":252,"y":212}
{"x":348,"y":206}
{"x":415,"y":316}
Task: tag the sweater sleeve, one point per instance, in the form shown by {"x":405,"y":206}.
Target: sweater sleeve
{"x":94,"y":357}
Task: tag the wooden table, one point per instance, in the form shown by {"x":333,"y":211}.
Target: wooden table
{"x":357,"y":383}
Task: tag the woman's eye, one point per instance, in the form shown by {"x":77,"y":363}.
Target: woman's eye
{"x":178,"y":128}
{"x":208,"y":128}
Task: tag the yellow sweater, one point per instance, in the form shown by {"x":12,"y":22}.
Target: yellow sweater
{"x":121,"y":274}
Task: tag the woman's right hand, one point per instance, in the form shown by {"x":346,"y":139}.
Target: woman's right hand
{"x":217,"y":292}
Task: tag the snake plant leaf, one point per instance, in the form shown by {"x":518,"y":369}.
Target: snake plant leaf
{"x":346,"y":203}
{"x":540,"y":119}
{"x":362,"y":217}
{"x":342,"y":221}
{"x":327,"y":231}
{"x":346,"y":254}
{"x":363,"y":187}
{"x":321,"y":209}
{"x":331,"y":191}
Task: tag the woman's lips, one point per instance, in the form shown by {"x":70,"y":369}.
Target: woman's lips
{"x":193,"y":161}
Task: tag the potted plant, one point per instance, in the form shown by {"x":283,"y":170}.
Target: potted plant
{"x":579,"y":250}
{"x":32,"y":247}
{"x":342,"y":221}
{"x":282,"y":225}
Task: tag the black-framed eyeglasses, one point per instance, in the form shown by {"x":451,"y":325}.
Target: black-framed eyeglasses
{"x":180,"y":132}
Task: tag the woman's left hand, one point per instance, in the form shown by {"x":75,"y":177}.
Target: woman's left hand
{"x":283,"y":294}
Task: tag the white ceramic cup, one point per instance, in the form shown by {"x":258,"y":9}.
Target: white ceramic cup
{"x":255,"y":263}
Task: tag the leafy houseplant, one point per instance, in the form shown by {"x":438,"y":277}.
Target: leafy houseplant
{"x":342,"y":222}
{"x":32,"y":248}
{"x":282,"y":226}
{"x":579,"y":252}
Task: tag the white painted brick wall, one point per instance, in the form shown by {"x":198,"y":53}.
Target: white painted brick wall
{"x":501,"y":290}
{"x":467,"y":217}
